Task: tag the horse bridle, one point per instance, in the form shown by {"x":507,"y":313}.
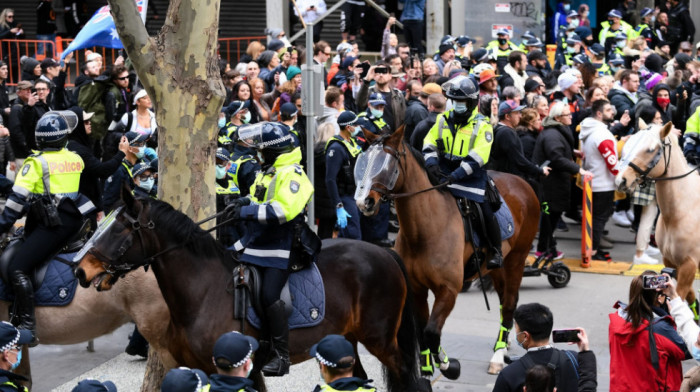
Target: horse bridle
{"x":644,"y":174}
{"x":386,"y":194}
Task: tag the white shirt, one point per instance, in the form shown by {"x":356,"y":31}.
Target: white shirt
{"x":310,"y":16}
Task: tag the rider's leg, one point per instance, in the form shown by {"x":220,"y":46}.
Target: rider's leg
{"x":493,"y":232}
{"x":273,"y":281}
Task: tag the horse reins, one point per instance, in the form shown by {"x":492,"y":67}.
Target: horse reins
{"x":644,"y":174}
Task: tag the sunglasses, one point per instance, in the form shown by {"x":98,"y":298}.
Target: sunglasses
{"x":124,"y":78}
{"x":381,"y":70}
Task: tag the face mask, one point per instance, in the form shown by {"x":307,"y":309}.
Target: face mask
{"x":220,"y":172}
{"x":614,"y":69}
{"x":246,"y":118}
{"x":663,"y":102}
{"x":141,"y":152}
{"x":567,"y":7}
{"x":694,"y":351}
{"x":147,"y":185}
{"x":502,"y":41}
{"x":519,"y":342}
{"x":377,"y":113}
{"x":570,"y":49}
{"x":222,"y":122}
{"x":589,"y":42}
{"x":621,"y":44}
{"x":573,"y":24}
{"x":19,"y":359}
{"x":460,"y":107}
{"x":261,"y":159}
{"x":250,"y":370}
{"x":357,"y":131}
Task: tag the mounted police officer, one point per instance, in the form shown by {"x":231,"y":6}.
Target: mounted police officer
{"x":336,"y":360}
{"x":274,"y":217}
{"x":232,"y":357}
{"x":341,"y":153}
{"x":11,"y":341}
{"x":457,"y":147}
{"x":47,"y":184}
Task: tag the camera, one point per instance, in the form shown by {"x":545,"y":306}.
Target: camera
{"x":565,"y":336}
{"x":670,"y":271}
{"x":653,"y":282}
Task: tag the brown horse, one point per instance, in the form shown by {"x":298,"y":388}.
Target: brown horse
{"x":367,"y":294}
{"x":654,"y":154}
{"x":431,"y":240}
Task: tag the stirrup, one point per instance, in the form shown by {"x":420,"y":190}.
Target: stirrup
{"x":276,"y":367}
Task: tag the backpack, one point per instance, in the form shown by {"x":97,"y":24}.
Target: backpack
{"x":555,"y":362}
{"x":91,"y":99}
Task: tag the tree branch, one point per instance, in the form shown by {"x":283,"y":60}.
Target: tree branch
{"x":133,"y":35}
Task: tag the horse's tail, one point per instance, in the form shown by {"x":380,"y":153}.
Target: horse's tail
{"x":407,"y":339}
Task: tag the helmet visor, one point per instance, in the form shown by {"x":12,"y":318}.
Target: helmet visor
{"x":250,"y":135}
{"x":375,"y":166}
{"x":102,"y":228}
{"x":70,"y":117}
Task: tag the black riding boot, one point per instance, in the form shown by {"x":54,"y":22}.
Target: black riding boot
{"x":138,"y":345}
{"x":494,"y":234}
{"x":279,"y":334}
{"x":24,"y":304}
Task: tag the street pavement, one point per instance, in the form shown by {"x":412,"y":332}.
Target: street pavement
{"x":469,"y":333}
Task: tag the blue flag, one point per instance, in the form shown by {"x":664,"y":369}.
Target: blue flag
{"x":101,"y":31}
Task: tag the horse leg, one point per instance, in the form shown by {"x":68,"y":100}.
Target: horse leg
{"x":422,"y":314}
{"x":358,"y":370}
{"x":444,"y":303}
{"x":686,"y":275}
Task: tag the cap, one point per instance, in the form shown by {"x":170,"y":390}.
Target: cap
{"x":235,"y":107}
{"x":87,"y":115}
{"x":531,"y":85}
{"x":140,"y":94}
{"x":448,"y":39}
{"x":583,"y":31}
{"x":566,"y":80}
{"x":615,"y":59}
{"x":480,"y":55}
{"x":503,"y":32}
{"x":614,"y":14}
{"x":139,"y":168}
{"x":275,"y":45}
{"x":620,"y":35}
{"x":94,"y":386}
{"x":274,"y":32}
{"x":343,"y":47}
{"x":235,"y":348}
{"x":347,"y":61}
{"x":223,"y":154}
{"x":646,"y":11}
{"x":331,"y":349}
{"x":597,"y":49}
{"x":487,"y":75}
{"x":463,"y":40}
{"x":376,"y":99}
{"x":288,"y":109}
{"x":509,"y":106}
{"x":11,"y":336}
{"x":581,"y":59}
{"x":573,"y":39}
{"x":536,"y":55}
{"x":346,"y":118}
{"x":445,"y":47}
{"x":49,"y":62}
{"x":135,"y":137}
{"x":431,"y":88}
{"x":536,"y":42}
{"x":24,"y":84}
{"x":572,"y":14}
{"x":528,"y":35}
{"x":93,"y":56}
{"x":184,"y":379}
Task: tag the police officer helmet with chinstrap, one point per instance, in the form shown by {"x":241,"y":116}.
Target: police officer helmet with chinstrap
{"x":270,"y":139}
{"x":53,"y":128}
{"x":464,"y":94}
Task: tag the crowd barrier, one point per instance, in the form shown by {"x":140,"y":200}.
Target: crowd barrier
{"x":11,"y":52}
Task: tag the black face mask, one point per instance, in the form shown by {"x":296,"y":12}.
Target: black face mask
{"x":589,"y":42}
{"x":502,"y":41}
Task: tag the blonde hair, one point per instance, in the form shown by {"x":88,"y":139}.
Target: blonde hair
{"x":254,"y":49}
{"x":3,"y":17}
{"x":324,"y":132}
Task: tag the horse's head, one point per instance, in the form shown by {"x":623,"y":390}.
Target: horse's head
{"x":643,"y":157}
{"x":377,"y":170}
{"x":117,"y":247}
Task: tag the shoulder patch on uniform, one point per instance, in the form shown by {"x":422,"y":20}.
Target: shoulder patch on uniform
{"x":489,"y":136}
{"x":25,"y":169}
{"x":298,"y":169}
{"x":294,"y":186}
{"x":330,"y":152}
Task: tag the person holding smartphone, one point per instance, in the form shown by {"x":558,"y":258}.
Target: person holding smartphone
{"x":639,"y":362}
{"x":311,"y":10}
{"x":573,"y":371}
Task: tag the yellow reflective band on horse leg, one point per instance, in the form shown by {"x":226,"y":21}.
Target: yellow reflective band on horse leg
{"x":427,"y":367}
{"x":500,"y":310}
{"x":442,"y":359}
{"x":694,"y":308}
{"x":501,"y":342}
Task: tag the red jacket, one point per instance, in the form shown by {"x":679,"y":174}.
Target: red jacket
{"x":630,"y":359}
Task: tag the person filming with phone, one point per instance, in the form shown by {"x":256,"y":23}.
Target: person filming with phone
{"x":640,"y":361}
{"x":572,"y":371}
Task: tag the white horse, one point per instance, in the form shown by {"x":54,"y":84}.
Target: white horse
{"x":655,"y":155}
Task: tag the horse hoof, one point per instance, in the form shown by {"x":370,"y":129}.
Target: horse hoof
{"x":423,"y":385}
{"x":453,"y":370}
{"x":495,"y":368}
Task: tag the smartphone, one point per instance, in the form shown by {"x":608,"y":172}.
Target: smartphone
{"x":33,"y":90}
{"x":565,"y":336}
{"x":653,"y":282}
{"x":670,"y":271}
{"x":365,"y":69}
{"x":545,"y":164}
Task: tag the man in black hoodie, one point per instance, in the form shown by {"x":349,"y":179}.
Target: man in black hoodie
{"x":416,"y":109}
{"x":436,"y":105}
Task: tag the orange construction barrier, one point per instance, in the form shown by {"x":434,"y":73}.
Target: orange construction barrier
{"x":586,"y":225}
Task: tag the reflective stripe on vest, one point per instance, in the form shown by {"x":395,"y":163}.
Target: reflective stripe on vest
{"x":327,"y":388}
{"x":443,"y":125}
{"x":13,"y":385}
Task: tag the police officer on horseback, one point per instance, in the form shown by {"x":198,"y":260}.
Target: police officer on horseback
{"x":456,"y":149}
{"x":274,"y":217}
{"x":47,"y":185}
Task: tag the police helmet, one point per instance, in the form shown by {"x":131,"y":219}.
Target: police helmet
{"x":53,"y":128}
{"x":266,"y":136}
{"x":461,"y":88}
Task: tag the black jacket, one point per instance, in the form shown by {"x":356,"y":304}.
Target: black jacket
{"x":30,"y":116}
{"x":555,"y":144}
{"x":416,"y":111}
{"x":534,"y":71}
{"x":422,"y":129}
{"x":576,"y":371}
{"x":680,"y":24}
{"x":507,"y":154}
{"x":324,"y":207}
{"x":4,"y":101}
{"x":6,"y":376}
{"x":528,"y":139}
{"x":17,"y":134}
{"x":221,"y":383}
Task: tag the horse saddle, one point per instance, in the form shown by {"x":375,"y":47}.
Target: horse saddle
{"x":303,"y":295}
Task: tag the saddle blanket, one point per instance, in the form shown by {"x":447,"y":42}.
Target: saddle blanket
{"x":308,"y":300}
{"x":58,"y":287}
{"x":505,"y":221}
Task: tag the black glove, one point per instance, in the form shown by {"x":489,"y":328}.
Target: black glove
{"x":233,"y":209}
{"x":434,"y":171}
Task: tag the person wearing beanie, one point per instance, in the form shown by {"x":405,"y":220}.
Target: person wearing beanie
{"x":275,"y":45}
{"x":341,"y":152}
{"x":654,"y":63}
{"x":446,"y":54}
{"x":31,"y":69}
{"x":268,"y":62}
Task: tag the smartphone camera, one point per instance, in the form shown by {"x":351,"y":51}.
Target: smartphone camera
{"x":653,"y":282}
{"x":565,"y":336}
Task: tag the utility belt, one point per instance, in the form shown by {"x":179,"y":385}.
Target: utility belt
{"x":44,"y":210}
{"x":346,"y":183}
{"x":305,"y":246}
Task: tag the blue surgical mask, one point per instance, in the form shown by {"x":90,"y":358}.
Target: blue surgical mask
{"x":250,"y":370}
{"x":695,"y":351}
{"x":357,"y":131}
{"x":246,"y":118}
{"x":261,"y":159}
{"x":570,"y":49}
{"x":147,"y":185}
{"x":460,"y":107}
{"x":141,"y":152}
{"x":220,"y":172}
{"x":567,"y":7}
{"x":19,"y":359}
{"x":519,"y":342}
{"x":222,"y":122}
{"x":376,"y":113}
{"x":621,"y":44}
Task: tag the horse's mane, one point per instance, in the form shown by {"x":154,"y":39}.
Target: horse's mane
{"x":181,"y":229}
{"x":418,"y":156}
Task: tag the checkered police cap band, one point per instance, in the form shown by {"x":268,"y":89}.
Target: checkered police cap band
{"x":13,"y":342}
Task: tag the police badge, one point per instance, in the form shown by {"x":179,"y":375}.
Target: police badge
{"x":25,"y":169}
{"x":294,"y":187}
{"x":489,"y":136}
